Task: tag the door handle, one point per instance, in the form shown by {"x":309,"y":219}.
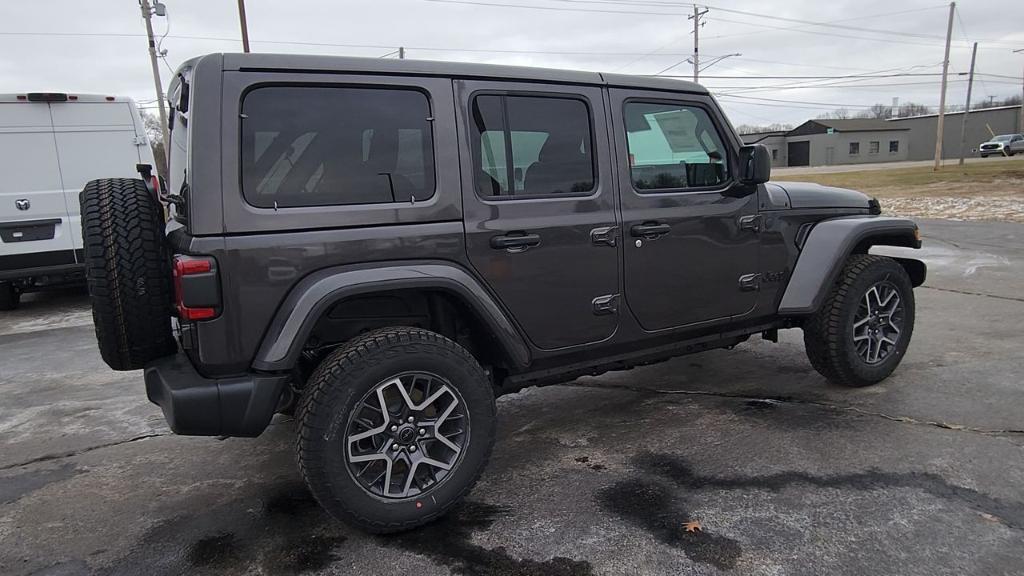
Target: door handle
{"x":515,"y":242}
{"x":649,"y":230}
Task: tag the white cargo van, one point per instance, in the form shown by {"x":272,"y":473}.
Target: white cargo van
{"x":51,"y":144}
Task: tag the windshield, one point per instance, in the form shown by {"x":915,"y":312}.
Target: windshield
{"x":1003,"y":138}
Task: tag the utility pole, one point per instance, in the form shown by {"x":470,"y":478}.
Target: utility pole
{"x":245,"y":26}
{"x":401,"y":52}
{"x":147,"y":15}
{"x":942,"y":95}
{"x":967,"y":108}
{"x":1021,"y":113}
{"x":697,"y":13}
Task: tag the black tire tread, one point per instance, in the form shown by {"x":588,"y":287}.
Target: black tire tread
{"x":127,"y":272}
{"x":9,"y":296}
{"x":824,"y":331}
{"x":359,"y":354}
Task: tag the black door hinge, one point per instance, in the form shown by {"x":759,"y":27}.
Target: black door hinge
{"x":607,"y":304}
{"x":607,"y":235}
{"x":752,"y":222}
{"x":749,"y":282}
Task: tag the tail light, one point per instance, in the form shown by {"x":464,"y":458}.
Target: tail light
{"x":196,"y":287}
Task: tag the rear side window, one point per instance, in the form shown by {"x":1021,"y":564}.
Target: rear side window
{"x":673,"y":147}
{"x":531,"y":146}
{"x":322,"y":146}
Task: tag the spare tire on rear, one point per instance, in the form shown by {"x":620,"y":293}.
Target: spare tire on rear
{"x":128,"y":272}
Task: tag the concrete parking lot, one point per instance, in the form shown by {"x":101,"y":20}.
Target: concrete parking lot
{"x":922,"y":474}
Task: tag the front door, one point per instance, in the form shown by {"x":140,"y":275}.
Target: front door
{"x":539,"y":206}
{"x":691,"y":241}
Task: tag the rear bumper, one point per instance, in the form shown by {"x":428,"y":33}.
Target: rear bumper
{"x":41,"y":269}
{"x":197,"y":406}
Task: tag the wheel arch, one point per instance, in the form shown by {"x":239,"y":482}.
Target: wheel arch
{"x":830,"y":243}
{"x":313,"y":297}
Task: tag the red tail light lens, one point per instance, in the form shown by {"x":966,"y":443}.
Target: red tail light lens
{"x":196,"y":287}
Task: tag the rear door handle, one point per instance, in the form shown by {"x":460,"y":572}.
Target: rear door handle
{"x":649,"y":230}
{"x":515,"y":242}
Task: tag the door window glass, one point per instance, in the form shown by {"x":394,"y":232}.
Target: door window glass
{"x":673,"y":147}
{"x":321,"y":146}
{"x":531,"y":146}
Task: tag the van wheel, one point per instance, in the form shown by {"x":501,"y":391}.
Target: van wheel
{"x":127,"y":271}
{"x":10,"y":297}
{"x":395,"y":427}
{"x":861,"y":333}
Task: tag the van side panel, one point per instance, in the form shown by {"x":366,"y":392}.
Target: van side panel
{"x":30,"y":189}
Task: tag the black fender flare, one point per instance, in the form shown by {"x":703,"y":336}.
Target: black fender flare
{"x":830,"y":243}
{"x":313,"y":295}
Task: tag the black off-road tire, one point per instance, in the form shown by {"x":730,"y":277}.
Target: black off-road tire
{"x":828,"y":334}
{"x":128,"y":272}
{"x":10,"y":297}
{"x":339,"y":383}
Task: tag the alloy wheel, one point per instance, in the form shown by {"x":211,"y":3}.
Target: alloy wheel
{"x":878,"y":322}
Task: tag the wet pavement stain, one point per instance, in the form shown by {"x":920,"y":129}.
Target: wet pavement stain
{"x":681,"y":473}
{"x":449,"y":542}
{"x":655,"y":507}
{"x":17,"y":486}
{"x":285,"y":532}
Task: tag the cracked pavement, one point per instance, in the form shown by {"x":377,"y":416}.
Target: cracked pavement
{"x":922,"y":474}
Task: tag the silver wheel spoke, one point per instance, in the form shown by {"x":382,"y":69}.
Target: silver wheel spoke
{"x":408,"y":453}
{"x":877,"y":322}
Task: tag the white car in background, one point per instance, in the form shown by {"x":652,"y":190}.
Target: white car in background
{"x":1002,"y":145}
{"x":51,"y":144}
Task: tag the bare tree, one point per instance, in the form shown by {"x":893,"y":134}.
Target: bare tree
{"x":156,"y":141}
{"x":912,"y":109}
{"x":879,"y":111}
{"x":755,"y":129}
{"x":837,"y":114}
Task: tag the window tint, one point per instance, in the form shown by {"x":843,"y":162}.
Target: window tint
{"x":854,"y":148}
{"x":531,"y":146}
{"x":672,"y":146}
{"x":894,"y":146}
{"x":319,"y":146}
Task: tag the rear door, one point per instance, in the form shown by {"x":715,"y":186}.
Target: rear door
{"x":33,"y":210}
{"x":94,"y":140}
{"x":691,"y":250}
{"x":539,"y":203}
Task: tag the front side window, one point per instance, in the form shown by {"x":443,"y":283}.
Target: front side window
{"x":854,"y":148}
{"x":531,"y":146}
{"x":324,"y":146}
{"x":673,"y":147}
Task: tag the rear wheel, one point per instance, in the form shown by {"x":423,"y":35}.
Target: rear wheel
{"x":128,"y":272}
{"x":10,"y":297}
{"x":861,"y":333}
{"x":395,"y":427}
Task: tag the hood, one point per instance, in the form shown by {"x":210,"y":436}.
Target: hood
{"x":809,"y":195}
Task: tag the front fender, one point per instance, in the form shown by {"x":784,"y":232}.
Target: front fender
{"x":826,"y":249}
{"x":314,"y":294}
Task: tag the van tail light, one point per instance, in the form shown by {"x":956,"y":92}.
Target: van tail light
{"x":196,"y":287}
{"x":47,"y":97}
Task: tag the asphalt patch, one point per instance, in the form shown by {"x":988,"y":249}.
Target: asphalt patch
{"x":448,"y":541}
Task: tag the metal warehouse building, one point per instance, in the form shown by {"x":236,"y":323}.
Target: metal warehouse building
{"x":866,"y":140}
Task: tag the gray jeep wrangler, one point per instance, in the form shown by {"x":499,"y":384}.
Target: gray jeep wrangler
{"x":384,"y":246}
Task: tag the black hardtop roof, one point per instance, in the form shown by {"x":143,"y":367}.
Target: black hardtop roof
{"x":317,"y":63}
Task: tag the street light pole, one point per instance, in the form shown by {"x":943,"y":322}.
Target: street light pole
{"x":245,"y":26}
{"x":1021,"y":113}
{"x":967,"y":109}
{"x":942,"y":94}
{"x":147,"y":15}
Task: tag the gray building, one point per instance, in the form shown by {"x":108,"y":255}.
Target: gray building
{"x":981,"y":126}
{"x":828,"y":142}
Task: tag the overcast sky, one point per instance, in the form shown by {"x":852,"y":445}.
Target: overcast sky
{"x":97,"y":45}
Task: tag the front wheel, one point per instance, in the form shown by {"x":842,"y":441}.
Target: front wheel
{"x":395,"y":427}
{"x":861,"y":333}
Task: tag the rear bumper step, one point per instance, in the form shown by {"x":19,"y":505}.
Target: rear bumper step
{"x":197,"y":406}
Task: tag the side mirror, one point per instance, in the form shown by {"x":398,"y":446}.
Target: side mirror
{"x":755,"y":164}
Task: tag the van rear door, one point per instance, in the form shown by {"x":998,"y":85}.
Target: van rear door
{"x":94,"y":140}
{"x":35,"y":226}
